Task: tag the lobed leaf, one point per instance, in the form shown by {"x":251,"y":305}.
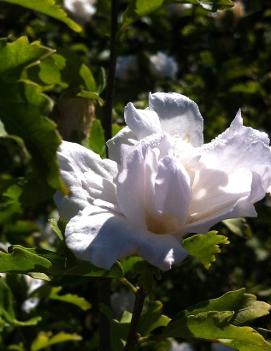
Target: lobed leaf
{"x":205,"y":246}
{"x":28,"y":260}
{"x":15,"y":56}
{"x":220,"y":319}
{"x":69,"y":298}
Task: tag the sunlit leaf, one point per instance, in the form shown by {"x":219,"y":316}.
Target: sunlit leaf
{"x":56,"y":229}
{"x":238,"y":226}
{"x":44,"y":340}
{"x":49,"y":8}
{"x":96,"y":138}
{"x":205,"y":246}
{"x":15,"y":56}
{"x":73,"y":299}
{"x":88,"y":78}
{"x":139,"y":8}
{"x":219,"y":319}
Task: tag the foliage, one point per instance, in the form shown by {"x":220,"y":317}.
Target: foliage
{"x":52,"y":81}
{"x":205,"y":246}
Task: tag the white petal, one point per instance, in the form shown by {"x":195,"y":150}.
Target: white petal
{"x":102,"y":238}
{"x":135,"y":182}
{"x":141,"y":122}
{"x":179,"y":116}
{"x":232,"y":174}
{"x":217,"y":196}
{"x":124,"y":137}
{"x":240,"y":147}
{"x":172,"y":189}
{"x":130,"y":188}
{"x":87,"y":177}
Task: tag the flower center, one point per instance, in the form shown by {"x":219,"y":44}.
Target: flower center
{"x":162,"y":223}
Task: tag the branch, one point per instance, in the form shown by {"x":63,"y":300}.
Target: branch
{"x":109,"y":95}
{"x":132,"y":336}
{"x":104,"y":323}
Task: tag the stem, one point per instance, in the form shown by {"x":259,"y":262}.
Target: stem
{"x":104,"y":284}
{"x":109,"y":95}
{"x":129,"y":285}
{"x":132,"y":336}
{"x":104,"y":323}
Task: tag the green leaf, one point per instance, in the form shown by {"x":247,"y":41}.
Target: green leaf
{"x":69,"y":298}
{"x":10,"y":204}
{"x":17,"y":55}
{"x":96,"y":139}
{"x":238,"y":226}
{"x":251,"y":309}
{"x":29,"y":123}
{"x":91,"y":96}
{"x":86,"y":269}
{"x":143,"y":7}
{"x":49,"y":72}
{"x":205,"y":246}
{"x":16,"y":347}
{"x":7,"y":313}
{"x":25,"y":260}
{"x":87,"y":76}
{"x":137,"y":9}
{"x":119,"y":330}
{"x":49,"y":8}
{"x":219,"y":319}
{"x":23,"y":108}
{"x":153,"y":318}
{"x":147,"y":275}
{"x":213,"y":326}
{"x":44,"y":340}
{"x":56,"y":229}
{"x":245,"y":306}
{"x":116,"y":128}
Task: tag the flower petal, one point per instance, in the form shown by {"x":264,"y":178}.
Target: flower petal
{"x":142,"y":122}
{"x":102,"y":238}
{"x":240,"y":147}
{"x":124,"y":137}
{"x":135,"y":182}
{"x":217,"y":196}
{"x":172,"y":189}
{"x":87,"y":176}
{"x":130,"y":188}
{"x":179,"y":116}
{"x":234,"y":172}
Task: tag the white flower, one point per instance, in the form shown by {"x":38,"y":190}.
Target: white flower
{"x":167,"y":184}
{"x":184,"y":346}
{"x":126,"y":67}
{"x":31,"y":302}
{"x":81,"y":9}
{"x":163,"y":66}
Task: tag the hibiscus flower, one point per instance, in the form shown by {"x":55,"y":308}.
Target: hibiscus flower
{"x":161,"y":183}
